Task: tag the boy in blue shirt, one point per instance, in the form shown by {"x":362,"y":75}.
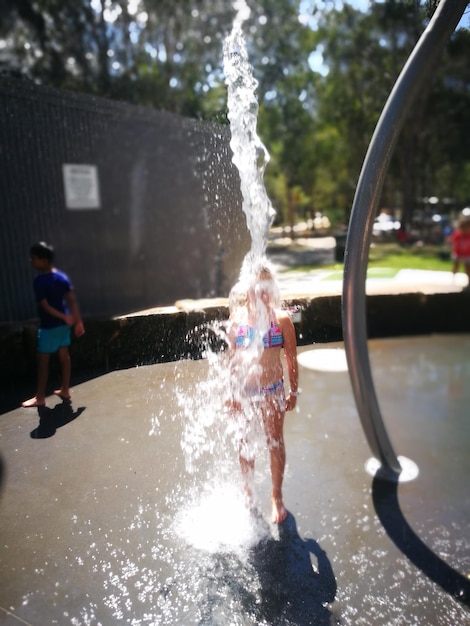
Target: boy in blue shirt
{"x":58,"y":311}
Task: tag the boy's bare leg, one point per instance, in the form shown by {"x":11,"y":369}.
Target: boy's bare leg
{"x":43,"y":371}
{"x":65,"y":366}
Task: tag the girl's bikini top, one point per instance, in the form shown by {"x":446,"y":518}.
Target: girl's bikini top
{"x":272,"y":339}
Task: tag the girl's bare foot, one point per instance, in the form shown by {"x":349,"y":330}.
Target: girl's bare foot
{"x":65,"y":395}
{"x":279,"y":513}
{"x":33,"y":402}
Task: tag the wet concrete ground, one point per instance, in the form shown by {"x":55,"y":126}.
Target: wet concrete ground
{"x":101,"y":523}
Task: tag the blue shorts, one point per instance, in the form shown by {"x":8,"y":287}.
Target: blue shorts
{"x":51,"y":339}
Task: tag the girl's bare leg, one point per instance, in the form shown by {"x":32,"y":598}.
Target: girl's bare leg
{"x":274,"y":426}
{"x":247,"y":466}
{"x":248,"y":469}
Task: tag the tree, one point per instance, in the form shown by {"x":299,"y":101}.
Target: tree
{"x":280,"y":45}
{"x":153,"y":52}
{"x":365,"y":53}
{"x":316,"y":124}
{"x":444,"y":150}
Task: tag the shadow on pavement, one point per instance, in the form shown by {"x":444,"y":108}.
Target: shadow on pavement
{"x":292,"y":591}
{"x":12,"y":395}
{"x":52,"y":419}
{"x":387,"y":507}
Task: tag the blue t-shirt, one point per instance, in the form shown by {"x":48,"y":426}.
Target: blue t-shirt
{"x":53,"y":286}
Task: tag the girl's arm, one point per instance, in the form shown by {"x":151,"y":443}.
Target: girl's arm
{"x":290,"y":352}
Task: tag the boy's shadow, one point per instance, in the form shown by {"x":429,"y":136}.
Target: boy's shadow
{"x":52,"y":419}
{"x":292,"y":591}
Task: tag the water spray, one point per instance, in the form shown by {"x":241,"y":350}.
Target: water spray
{"x":249,"y":153}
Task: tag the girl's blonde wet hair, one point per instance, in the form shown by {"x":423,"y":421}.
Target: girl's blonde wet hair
{"x":265,"y":279}
{"x":260,"y":276}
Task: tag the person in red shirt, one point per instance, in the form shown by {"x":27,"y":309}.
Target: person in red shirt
{"x":460,"y":239}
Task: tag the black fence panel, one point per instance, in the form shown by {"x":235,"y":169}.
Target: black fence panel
{"x":163,"y":223}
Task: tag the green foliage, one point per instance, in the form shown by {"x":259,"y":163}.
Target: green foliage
{"x":159,"y":53}
{"x":316,"y":122}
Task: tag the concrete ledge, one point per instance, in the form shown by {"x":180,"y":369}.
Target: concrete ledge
{"x":170,"y":334}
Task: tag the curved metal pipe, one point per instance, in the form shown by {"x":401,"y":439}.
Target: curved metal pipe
{"x":417,"y":69}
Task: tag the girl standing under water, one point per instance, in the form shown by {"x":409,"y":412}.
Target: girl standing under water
{"x":258,"y":333}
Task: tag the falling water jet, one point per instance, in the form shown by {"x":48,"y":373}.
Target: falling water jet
{"x":251,"y":157}
{"x":249,"y":153}
{"x":211,"y":434}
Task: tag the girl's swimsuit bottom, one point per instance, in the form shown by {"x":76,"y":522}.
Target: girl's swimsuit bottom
{"x":268,"y":390}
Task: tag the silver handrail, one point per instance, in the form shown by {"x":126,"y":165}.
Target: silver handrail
{"x":417,"y":69}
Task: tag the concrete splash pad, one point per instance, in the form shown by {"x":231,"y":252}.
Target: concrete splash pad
{"x":102,"y":524}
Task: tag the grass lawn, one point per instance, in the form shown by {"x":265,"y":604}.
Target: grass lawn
{"x":386,"y":259}
{"x":413,"y":258}
{"x":372,"y":272}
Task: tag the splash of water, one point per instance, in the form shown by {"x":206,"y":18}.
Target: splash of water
{"x":218,"y":522}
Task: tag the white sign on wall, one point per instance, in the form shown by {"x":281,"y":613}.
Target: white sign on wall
{"x":81,"y":186}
